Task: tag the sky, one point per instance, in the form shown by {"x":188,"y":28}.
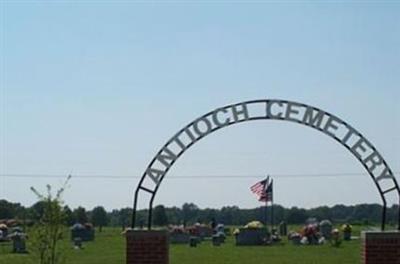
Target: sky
{"x":95,"y":88}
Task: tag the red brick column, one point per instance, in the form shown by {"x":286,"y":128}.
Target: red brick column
{"x":147,"y":247}
{"x":380,"y":247}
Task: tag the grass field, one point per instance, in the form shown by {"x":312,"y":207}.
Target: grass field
{"x":109,"y":248}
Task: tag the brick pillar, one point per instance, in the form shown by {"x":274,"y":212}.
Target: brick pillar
{"x":380,"y":247}
{"x":147,"y":247}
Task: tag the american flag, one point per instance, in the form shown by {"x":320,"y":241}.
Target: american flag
{"x":267,"y":195}
{"x":260,"y":188}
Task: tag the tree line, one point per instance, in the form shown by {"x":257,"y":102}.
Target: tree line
{"x":190,"y":213}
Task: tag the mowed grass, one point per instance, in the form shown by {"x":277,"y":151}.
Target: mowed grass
{"x":278,"y":254}
{"x":109,"y":248}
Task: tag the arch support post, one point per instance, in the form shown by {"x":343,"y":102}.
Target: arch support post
{"x":143,"y":247}
{"x":398,"y":216}
{"x":380,"y":247}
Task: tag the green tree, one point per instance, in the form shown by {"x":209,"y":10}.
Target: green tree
{"x":322,"y":212}
{"x":228,"y":214}
{"x":189,"y":212}
{"x":174,"y":215}
{"x":6,"y":210}
{"x":296,"y":216}
{"x":160,"y":216}
{"x":124,"y":217}
{"x":36,"y":211}
{"x":48,"y":231}
{"x":80,"y":215}
{"x":99,"y":217}
{"x":69,"y":216}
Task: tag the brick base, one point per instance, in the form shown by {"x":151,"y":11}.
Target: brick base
{"x":380,"y":247}
{"x":147,"y":247}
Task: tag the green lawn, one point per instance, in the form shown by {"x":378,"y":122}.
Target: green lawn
{"x":109,"y":248}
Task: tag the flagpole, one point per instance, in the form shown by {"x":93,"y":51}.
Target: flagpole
{"x":266,"y":213}
{"x":260,"y":189}
{"x":266,"y":203}
{"x":272,"y":209}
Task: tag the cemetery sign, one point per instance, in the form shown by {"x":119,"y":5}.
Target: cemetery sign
{"x":310,"y":116}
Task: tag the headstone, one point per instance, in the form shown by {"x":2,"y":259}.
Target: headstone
{"x":216,"y":241}
{"x":19,"y":246}
{"x":19,"y":242}
{"x":193,"y":241}
{"x":325,"y":227}
{"x":347,"y":236}
{"x":346,"y":228}
{"x":85,"y":232}
{"x":3,"y":232}
{"x":220,"y":232}
{"x":252,"y":236}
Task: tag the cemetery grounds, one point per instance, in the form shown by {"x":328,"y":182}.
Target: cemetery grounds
{"x":109,"y":248}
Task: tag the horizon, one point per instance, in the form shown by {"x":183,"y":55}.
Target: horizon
{"x":212,"y":208}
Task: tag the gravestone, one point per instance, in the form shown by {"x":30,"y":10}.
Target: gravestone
{"x":346,"y":228}
{"x":19,"y":242}
{"x":220,"y":232}
{"x":193,"y":241}
{"x":325,"y":227}
{"x":19,"y":245}
{"x":252,"y":237}
{"x":3,"y":232}
{"x":85,"y":232}
{"x":283,"y":228}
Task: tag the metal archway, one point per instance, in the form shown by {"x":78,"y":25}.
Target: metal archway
{"x":329,"y":124}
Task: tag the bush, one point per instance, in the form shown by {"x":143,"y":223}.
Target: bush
{"x":48,"y":231}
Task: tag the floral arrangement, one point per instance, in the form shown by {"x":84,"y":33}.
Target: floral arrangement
{"x":347,"y":228}
{"x":254,"y":225}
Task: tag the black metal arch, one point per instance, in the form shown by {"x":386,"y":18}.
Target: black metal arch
{"x":167,"y":158}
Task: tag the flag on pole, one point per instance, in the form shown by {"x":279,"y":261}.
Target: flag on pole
{"x":260,"y":188}
{"x":267,"y":196}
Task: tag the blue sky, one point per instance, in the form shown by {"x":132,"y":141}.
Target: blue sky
{"x":96,"y":88}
